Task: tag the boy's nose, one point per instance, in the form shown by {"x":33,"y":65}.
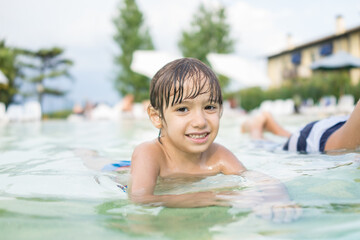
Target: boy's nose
{"x":199,"y":120}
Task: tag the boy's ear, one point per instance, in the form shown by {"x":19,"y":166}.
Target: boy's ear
{"x":154,"y":116}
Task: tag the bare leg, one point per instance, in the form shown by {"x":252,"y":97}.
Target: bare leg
{"x":261,"y":123}
{"x":348,"y":136}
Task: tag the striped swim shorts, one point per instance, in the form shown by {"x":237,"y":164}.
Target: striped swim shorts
{"x":312,"y":138}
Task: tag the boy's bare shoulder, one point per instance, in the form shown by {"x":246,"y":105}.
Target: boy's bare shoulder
{"x":149,"y":149}
{"x":220,"y":150}
{"x":230,"y":163}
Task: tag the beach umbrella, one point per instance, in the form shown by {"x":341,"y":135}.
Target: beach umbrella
{"x":3,"y":78}
{"x":244,"y":72}
{"x":339,"y":60}
{"x":148,"y":62}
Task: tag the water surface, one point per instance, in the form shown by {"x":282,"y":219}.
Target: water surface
{"x":47,"y":193}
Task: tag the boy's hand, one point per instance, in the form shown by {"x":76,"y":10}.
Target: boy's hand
{"x":280,"y":211}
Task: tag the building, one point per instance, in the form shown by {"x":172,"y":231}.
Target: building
{"x":295,"y":61}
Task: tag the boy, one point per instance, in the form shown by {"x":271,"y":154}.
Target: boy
{"x":186,"y":106}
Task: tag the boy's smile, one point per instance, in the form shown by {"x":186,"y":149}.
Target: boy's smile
{"x":198,"y":137}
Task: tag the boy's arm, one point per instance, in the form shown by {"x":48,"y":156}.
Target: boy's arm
{"x":269,"y":187}
{"x":267,"y":196}
{"x":144,"y":172}
{"x":232,"y":166}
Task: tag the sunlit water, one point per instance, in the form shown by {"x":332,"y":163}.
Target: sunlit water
{"x":47,"y":193}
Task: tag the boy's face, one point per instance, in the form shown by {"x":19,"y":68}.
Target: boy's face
{"x":192,"y":125}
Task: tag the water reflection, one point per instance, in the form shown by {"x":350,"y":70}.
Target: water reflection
{"x":173,"y":223}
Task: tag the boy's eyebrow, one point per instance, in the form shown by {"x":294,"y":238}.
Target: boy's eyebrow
{"x":182,"y":102}
{"x":190,"y":100}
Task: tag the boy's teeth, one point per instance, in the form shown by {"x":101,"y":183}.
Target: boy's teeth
{"x":197,"y":136}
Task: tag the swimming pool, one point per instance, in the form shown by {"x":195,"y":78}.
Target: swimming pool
{"x":47,"y":193}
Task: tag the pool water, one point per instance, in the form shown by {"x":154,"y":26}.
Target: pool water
{"x":47,"y":193}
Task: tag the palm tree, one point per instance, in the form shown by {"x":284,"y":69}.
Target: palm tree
{"x":50,"y":66}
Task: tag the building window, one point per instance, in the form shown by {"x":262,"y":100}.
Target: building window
{"x":296,"y":58}
{"x":326,"y":49}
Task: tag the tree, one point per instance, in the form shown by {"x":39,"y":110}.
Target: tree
{"x":11,"y":69}
{"x":209,"y":33}
{"x":131,"y":35}
{"x":50,"y":65}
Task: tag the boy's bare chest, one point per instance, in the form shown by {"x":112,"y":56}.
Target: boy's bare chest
{"x":187,"y":170}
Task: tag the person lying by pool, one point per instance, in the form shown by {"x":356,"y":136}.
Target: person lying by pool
{"x":336,"y":133}
{"x":186,"y":107}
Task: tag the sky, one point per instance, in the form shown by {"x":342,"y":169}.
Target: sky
{"x":85,"y":30}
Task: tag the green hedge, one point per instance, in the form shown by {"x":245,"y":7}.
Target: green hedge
{"x":57,"y":115}
{"x":320,"y":84}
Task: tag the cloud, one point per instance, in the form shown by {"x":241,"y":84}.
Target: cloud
{"x":166,"y":20}
{"x":255,"y":29}
{"x":250,"y":24}
{"x":39,"y":23}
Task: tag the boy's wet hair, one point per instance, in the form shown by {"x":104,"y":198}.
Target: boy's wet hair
{"x":170,"y":80}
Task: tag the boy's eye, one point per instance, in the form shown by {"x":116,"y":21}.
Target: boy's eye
{"x":182,"y":109}
{"x":210,"y":107}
